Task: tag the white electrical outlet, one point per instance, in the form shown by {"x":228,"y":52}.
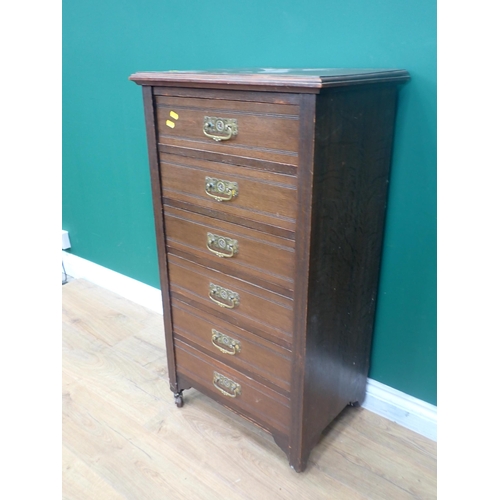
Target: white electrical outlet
{"x":65,"y":240}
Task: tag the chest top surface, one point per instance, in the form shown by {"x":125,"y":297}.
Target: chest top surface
{"x":297,"y":79}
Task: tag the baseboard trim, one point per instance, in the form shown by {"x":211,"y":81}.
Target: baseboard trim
{"x":145,"y":295}
{"x":405,"y":410}
{"x":412,"y":413}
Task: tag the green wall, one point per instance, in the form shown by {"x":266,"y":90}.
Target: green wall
{"x":106,"y":192}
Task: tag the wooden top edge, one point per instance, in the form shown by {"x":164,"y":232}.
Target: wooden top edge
{"x":286,"y":78}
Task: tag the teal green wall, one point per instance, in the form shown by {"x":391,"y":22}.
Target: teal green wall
{"x":106,"y":193}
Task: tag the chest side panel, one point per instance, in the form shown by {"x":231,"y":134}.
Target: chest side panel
{"x":354,"y":134}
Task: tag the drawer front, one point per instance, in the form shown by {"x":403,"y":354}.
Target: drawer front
{"x":232,"y":388}
{"x":237,"y":302}
{"x":264,"y":197}
{"x":236,"y":347}
{"x":262,"y":131}
{"x":235,"y":250}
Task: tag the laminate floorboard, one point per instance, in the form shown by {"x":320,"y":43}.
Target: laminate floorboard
{"x":124,"y":438}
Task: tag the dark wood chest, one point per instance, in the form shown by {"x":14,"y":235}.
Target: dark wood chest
{"x":269,"y":191}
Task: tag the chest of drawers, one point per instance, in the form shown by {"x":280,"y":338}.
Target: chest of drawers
{"x":269,"y":191}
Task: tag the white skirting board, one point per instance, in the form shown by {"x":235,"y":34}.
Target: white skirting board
{"x":401,"y":408}
{"x":381,"y":399}
{"x":145,"y":295}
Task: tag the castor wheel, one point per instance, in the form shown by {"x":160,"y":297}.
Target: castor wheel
{"x":179,"y":400}
{"x":355,"y":404}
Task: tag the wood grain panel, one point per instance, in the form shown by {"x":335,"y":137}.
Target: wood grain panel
{"x":257,"y":356}
{"x":267,"y":198}
{"x":267,"y":407}
{"x":193,"y":150}
{"x":232,"y":152}
{"x":229,"y":95}
{"x":266,"y":131}
{"x":258,"y":307}
{"x":227,"y":217}
{"x":233,"y":106}
{"x":256,"y":173}
{"x":259,"y":255}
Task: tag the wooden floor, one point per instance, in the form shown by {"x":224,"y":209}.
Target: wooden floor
{"x":123,"y":437}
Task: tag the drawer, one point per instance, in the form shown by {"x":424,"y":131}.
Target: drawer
{"x":236,"y":250}
{"x":232,"y":388}
{"x":263,"y":197}
{"x":238,"y":348}
{"x":244,"y":304}
{"x":256,"y":130}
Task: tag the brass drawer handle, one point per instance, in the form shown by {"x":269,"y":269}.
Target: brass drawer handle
{"x":221,"y":190}
{"x":223,"y":297}
{"x":220,"y":129}
{"x":228,"y":343}
{"x":221,"y":245}
{"x":227,"y":386}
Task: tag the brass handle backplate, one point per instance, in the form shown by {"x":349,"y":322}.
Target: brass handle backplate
{"x":229,"y":345}
{"x":220,"y":129}
{"x":221,"y":245}
{"x":223,"y":297}
{"x":221,"y":190}
{"x":227,"y":386}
